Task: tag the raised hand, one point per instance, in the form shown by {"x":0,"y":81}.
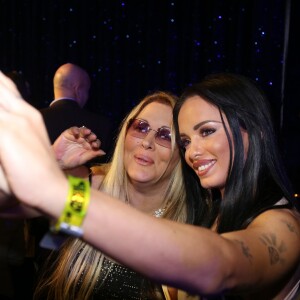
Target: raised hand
{"x":29,"y":169}
{"x":75,"y":146}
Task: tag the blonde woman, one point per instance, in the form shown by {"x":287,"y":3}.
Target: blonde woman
{"x":145,"y":173}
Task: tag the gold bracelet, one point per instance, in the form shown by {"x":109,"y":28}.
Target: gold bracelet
{"x":75,"y":209}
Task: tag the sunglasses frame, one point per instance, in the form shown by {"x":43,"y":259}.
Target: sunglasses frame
{"x":142,"y":135}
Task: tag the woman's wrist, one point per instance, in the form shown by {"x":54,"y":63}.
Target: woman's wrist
{"x":53,"y":201}
{"x":80,"y":171}
{"x":75,"y":208}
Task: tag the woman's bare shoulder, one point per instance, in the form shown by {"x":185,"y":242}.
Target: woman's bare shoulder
{"x":100,"y":169}
{"x":98,"y":173}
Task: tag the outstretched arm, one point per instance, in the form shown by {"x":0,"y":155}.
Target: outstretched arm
{"x":194,"y":258}
{"x":189,"y":257}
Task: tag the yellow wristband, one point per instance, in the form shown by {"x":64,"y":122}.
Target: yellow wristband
{"x":75,"y":209}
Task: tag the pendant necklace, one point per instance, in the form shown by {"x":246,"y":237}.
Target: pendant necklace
{"x":158,"y":213}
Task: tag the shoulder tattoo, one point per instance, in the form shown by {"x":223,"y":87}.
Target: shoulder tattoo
{"x":291,"y":227}
{"x":275,"y":248}
{"x":245,"y":250}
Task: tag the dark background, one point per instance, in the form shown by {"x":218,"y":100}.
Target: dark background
{"x":133,"y":47}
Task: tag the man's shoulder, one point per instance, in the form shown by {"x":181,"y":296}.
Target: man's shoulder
{"x":62,"y":105}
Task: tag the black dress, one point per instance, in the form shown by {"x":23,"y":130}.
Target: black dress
{"x":119,"y":282}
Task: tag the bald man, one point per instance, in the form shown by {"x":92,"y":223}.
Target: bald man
{"x":71,"y":92}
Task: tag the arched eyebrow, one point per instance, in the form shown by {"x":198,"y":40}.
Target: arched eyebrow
{"x":197,"y":126}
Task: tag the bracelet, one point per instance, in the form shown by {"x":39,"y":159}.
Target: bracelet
{"x":75,"y":209}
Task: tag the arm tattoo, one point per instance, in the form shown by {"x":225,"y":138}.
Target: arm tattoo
{"x":275,"y":250}
{"x":290,"y":227}
{"x":245,"y":250}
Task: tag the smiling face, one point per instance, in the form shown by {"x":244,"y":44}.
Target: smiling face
{"x":204,"y":139}
{"x":146,"y":161}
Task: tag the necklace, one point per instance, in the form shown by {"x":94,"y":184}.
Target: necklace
{"x":158,"y":213}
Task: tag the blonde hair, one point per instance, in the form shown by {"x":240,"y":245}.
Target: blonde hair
{"x":76,"y":270}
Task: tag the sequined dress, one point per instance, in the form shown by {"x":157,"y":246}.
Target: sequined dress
{"x":119,"y":282}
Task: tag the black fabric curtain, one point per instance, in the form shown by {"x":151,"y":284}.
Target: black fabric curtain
{"x":133,"y":47}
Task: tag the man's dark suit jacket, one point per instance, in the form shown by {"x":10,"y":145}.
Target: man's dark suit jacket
{"x":64,"y":114}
